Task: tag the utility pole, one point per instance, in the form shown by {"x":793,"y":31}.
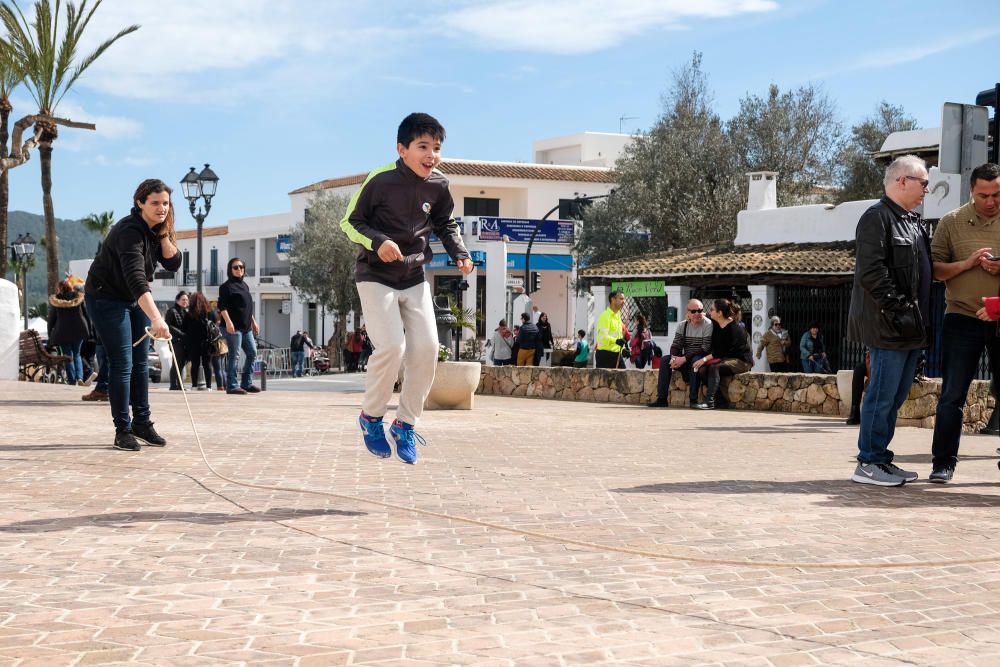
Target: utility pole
{"x":621,"y":122}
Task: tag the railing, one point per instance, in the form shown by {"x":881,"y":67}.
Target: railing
{"x":190,"y":279}
{"x":278,"y":360}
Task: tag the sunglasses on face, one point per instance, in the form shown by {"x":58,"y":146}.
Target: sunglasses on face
{"x":238,"y":266}
{"x":696,"y":310}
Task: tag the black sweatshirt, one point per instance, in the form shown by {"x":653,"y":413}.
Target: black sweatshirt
{"x":394,"y":203}
{"x":235,"y":299}
{"x":124,"y":266}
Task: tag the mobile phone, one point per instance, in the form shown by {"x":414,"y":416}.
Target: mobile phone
{"x":993,"y":258}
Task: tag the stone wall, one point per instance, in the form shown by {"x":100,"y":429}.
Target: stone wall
{"x":804,"y":393}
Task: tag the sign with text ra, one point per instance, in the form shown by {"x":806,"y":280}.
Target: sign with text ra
{"x":519,"y":230}
{"x":636,"y":288}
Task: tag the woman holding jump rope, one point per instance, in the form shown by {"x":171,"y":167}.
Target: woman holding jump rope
{"x":121,"y":306}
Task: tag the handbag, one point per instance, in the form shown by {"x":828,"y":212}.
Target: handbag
{"x":220,"y":347}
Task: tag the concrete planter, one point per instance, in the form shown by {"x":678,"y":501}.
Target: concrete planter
{"x":454,"y":385}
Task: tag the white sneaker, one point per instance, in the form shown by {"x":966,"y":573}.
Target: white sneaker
{"x":89,"y":381}
{"x":876,"y":473}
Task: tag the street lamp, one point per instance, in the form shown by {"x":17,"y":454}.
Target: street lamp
{"x":199,"y":186}
{"x":22,"y":249}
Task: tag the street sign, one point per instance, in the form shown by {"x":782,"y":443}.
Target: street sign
{"x":639,"y":288}
{"x":519,"y":230}
{"x":515,"y":281}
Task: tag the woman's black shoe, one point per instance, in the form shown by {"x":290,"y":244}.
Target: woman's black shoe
{"x":148,"y":434}
{"x":126,"y":441}
{"x":707,"y":405}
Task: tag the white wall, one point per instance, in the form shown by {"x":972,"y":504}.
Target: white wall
{"x":801,"y":224}
{"x":584,"y":149}
{"x":10,"y":329}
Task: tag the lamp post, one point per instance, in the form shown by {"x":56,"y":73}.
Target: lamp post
{"x":199,"y":186}
{"x":22,"y":250}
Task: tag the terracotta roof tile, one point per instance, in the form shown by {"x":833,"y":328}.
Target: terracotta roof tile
{"x":538,"y":172}
{"x":832,"y":259}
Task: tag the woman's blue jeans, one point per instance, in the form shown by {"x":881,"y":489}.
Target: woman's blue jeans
{"x":240,"y":340}
{"x":74,"y":369}
{"x":119,"y":324}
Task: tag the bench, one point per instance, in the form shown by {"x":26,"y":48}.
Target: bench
{"x":35,"y":363}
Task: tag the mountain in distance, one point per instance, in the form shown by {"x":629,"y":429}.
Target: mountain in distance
{"x":75,"y":242}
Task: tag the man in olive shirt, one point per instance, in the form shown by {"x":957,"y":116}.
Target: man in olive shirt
{"x":963,"y":243}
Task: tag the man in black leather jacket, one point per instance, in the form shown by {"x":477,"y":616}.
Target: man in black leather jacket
{"x":889,"y":306}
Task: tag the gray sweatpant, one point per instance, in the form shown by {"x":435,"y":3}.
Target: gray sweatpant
{"x":402,"y":329}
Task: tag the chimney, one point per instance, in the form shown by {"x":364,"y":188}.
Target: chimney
{"x":763,"y":192}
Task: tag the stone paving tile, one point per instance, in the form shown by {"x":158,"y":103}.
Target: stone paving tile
{"x":109,"y":557}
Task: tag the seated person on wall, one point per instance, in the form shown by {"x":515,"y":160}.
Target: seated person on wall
{"x":528,"y":341}
{"x":730,"y":355}
{"x":776,"y":341}
{"x":692,"y":341}
{"x":813,"y":351}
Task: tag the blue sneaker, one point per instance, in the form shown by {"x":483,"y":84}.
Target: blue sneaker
{"x":405,"y":438}
{"x":374,"y":434}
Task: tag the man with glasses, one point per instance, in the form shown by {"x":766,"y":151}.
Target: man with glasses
{"x":889,"y":307}
{"x":692,"y":341}
{"x":963,"y":245}
{"x":236,"y":309}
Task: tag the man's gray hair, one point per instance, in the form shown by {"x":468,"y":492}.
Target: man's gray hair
{"x":902,"y":166}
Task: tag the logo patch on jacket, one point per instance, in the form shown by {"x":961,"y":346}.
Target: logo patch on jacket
{"x":426,"y":208}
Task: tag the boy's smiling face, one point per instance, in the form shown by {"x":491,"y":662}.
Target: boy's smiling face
{"x":422,"y":155}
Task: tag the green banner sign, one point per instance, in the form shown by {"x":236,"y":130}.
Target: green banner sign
{"x":639,"y":288}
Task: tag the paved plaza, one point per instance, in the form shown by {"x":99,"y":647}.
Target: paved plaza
{"x":146,"y":558}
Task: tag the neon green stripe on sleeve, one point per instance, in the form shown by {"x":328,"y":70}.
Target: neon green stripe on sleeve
{"x":345,"y":224}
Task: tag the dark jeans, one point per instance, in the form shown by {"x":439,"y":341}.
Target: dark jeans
{"x":963,"y":339}
{"x":663,"y":380}
{"x":177,"y":368}
{"x":780,"y":367}
{"x":103,"y":368}
{"x":503,"y":362}
{"x":607,"y":359}
{"x":298,"y":363}
{"x":74,"y":368}
{"x":119,"y":324}
{"x":201,"y":362}
{"x":220,"y":381}
{"x":889,"y":385}
{"x":240,"y":340}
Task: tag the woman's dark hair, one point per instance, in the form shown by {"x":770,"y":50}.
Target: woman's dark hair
{"x":416,"y":125}
{"x":814,"y":325}
{"x":199,"y":306}
{"x":229,"y":266}
{"x":155,"y":185}
{"x":723,"y":307}
{"x":640,"y":323}
{"x":736,"y":310}
{"x":180,"y":294}
{"x":541,"y":315}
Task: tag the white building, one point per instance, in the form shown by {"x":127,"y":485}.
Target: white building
{"x":506,"y":194}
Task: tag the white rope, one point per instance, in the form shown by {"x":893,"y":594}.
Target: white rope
{"x":548,"y":537}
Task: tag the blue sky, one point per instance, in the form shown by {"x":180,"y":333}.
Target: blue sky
{"x":276,"y":94}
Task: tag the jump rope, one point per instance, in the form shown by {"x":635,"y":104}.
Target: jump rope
{"x":548,"y":537}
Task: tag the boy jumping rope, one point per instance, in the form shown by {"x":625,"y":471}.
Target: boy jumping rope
{"x":391,"y":218}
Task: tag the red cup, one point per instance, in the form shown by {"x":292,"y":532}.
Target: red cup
{"x":992,"y":304}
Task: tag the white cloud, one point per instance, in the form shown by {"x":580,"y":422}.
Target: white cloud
{"x":183,"y":47}
{"x":902,"y":55}
{"x":582,"y":26}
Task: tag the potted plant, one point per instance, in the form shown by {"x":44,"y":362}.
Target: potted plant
{"x":455,"y":382}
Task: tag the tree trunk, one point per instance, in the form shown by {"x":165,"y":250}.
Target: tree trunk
{"x":5,"y":110}
{"x":51,"y":241}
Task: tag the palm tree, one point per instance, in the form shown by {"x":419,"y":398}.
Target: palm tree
{"x":10,"y":77}
{"x":100,"y":223}
{"x":51,"y":67}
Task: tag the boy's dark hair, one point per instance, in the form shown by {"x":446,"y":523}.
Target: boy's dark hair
{"x":984,"y":172}
{"x":581,"y":333}
{"x":416,"y":125}
{"x":525,"y":317}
